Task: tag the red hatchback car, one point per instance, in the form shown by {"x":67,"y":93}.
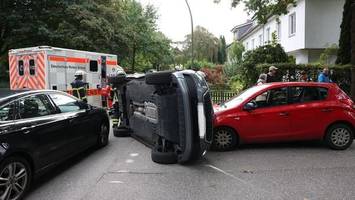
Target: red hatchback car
{"x":289,"y":111}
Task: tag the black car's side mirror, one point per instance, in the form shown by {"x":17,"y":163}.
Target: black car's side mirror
{"x":250,"y":106}
{"x":83,"y":105}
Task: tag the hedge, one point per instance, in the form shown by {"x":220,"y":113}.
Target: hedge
{"x":340,"y":74}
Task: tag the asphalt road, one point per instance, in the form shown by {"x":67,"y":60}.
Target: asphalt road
{"x":124,"y":170}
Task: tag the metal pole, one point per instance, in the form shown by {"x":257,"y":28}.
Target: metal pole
{"x":192,"y":33}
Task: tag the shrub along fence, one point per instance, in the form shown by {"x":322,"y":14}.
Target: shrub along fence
{"x":292,"y":72}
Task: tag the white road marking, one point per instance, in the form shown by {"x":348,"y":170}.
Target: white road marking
{"x":116,"y":182}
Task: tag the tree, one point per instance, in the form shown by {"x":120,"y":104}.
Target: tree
{"x":344,"y":53}
{"x":121,"y":27}
{"x":222,"y":50}
{"x":263,"y":54}
{"x":263,"y":9}
{"x":236,"y":52}
{"x":205,"y":45}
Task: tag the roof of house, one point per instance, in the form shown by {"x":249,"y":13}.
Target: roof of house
{"x":242,"y":29}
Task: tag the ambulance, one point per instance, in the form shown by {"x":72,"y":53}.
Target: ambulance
{"x":46,"y":67}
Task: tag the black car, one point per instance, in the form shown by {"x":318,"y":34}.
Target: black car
{"x":171,"y":111}
{"x":39,"y":129}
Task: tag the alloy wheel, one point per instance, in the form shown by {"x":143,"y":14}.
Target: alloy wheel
{"x":340,"y":137}
{"x":13,"y":181}
{"x":223,"y":139}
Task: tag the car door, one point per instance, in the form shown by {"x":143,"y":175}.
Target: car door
{"x":82,"y":130}
{"x":269,"y":121}
{"x":308,"y":112}
{"x":42,"y":129}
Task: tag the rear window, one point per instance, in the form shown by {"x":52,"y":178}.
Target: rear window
{"x":341,"y":95}
{"x":301,"y":94}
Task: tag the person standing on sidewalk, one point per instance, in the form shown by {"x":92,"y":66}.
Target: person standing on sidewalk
{"x":324,"y":76}
{"x":271,"y":76}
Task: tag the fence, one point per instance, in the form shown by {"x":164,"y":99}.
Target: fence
{"x":219,"y":96}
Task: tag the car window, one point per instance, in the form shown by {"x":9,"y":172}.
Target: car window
{"x":34,"y":106}
{"x":273,"y":97}
{"x":65,"y":103}
{"x":307,"y":94}
{"x":7,"y":112}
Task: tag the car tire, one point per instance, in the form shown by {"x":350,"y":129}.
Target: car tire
{"x":121,"y":132}
{"x":163,"y":157}
{"x":339,"y":136}
{"x":117,"y":79}
{"x":20,"y":177}
{"x":158,"y":78}
{"x":103,"y":135}
{"x":224,"y":139}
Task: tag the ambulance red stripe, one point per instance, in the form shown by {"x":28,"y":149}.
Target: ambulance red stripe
{"x":41,"y":71}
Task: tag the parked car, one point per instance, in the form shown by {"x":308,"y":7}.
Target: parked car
{"x":39,"y":129}
{"x":279,"y":112}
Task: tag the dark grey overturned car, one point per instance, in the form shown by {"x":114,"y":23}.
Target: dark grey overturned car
{"x":39,"y":129}
{"x":171,"y":111}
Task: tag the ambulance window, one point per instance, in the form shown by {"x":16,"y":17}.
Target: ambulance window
{"x":20,"y":68}
{"x":32,"y":67}
{"x":93,"y":66}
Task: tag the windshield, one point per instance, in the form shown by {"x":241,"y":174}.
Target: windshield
{"x":237,"y":100}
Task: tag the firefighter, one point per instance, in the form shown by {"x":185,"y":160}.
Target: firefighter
{"x":79,"y":86}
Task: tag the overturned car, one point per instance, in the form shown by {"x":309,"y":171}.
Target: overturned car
{"x":171,"y":111}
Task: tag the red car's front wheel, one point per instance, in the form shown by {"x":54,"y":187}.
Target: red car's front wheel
{"x":224,"y":139}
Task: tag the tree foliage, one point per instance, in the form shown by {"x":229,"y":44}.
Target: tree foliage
{"x":121,"y":27}
{"x":262,"y":54}
{"x":222,"y":50}
{"x":205,"y":45}
{"x":261,"y":10}
{"x":344,"y":53}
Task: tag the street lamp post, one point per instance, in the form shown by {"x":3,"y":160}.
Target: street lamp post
{"x":192,"y":33}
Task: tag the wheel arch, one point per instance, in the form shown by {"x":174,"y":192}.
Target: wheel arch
{"x":25,"y":156}
{"x":347,"y":123}
{"x":231,"y":128}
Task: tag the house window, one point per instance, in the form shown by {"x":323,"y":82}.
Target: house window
{"x":260,"y":40}
{"x":292,"y":24}
{"x":247,"y":46}
{"x":253,"y":43}
{"x":268,"y":35}
{"x":32,"y":67}
{"x":21,"y":70}
{"x":93,"y":66}
{"x":279,"y":30}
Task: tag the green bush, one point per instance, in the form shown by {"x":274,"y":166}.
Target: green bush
{"x":340,"y":74}
{"x":264,"y":54}
{"x":198,"y":65}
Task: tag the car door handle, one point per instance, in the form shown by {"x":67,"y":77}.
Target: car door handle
{"x":327,"y":110}
{"x":283,"y":113}
{"x":27,"y":129}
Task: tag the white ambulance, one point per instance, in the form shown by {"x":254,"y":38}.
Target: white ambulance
{"x":46,"y":67}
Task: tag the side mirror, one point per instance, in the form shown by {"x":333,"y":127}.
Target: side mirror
{"x":250,"y":106}
{"x":83,"y":105}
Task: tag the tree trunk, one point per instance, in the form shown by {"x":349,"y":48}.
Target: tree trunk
{"x":353,"y":52}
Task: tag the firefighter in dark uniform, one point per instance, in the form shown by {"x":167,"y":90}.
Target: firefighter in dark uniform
{"x":79,"y":86}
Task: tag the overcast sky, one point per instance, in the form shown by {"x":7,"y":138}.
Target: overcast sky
{"x":174,"y":19}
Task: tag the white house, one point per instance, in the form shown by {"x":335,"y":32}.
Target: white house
{"x":304,"y":32}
